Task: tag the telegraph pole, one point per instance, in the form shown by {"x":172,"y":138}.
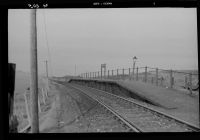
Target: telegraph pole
{"x":34,"y":75}
{"x":47,"y":68}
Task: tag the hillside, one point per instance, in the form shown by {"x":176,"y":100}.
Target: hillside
{"x":189,"y":71}
{"x":22,"y":81}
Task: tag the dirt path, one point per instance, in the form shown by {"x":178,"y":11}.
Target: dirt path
{"x":72,"y":112}
{"x":63,"y":115}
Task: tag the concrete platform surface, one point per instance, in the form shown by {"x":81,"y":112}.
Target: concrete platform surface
{"x":183,"y":106}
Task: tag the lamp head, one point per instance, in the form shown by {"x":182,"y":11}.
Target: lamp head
{"x":134,"y":57}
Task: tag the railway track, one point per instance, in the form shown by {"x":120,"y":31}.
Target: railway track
{"x":105,"y":114}
{"x":133,"y":116}
{"x":140,"y":117}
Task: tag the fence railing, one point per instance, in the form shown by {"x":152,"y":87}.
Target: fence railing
{"x":42,"y":97}
{"x":159,"y":77}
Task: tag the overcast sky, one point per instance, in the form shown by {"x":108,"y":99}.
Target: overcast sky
{"x":162,"y":37}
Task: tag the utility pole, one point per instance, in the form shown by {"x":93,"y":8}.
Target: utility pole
{"x":34,"y":75}
{"x":47,"y":68}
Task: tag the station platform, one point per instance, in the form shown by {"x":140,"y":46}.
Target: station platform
{"x":176,"y":103}
{"x":179,"y":104}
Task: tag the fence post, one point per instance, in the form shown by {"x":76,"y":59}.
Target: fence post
{"x":108,"y":73}
{"x":43,"y":96}
{"x":156,"y":76}
{"x":123,"y":73}
{"x":190,"y":82}
{"x":171,"y":79}
{"x":27,"y":108}
{"x":105,"y":72}
{"x":101,"y":73}
{"x":137,"y":74}
{"x":133,"y":73}
{"x":161,"y":81}
{"x":145,"y":78}
{"x":186,"y":83}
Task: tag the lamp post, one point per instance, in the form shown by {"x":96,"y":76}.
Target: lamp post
{"x":134,"y":60}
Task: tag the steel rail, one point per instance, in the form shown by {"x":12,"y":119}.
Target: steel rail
{"x":130,"y":125}
{"x":153,"y":110}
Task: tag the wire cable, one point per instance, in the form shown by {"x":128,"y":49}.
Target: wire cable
{"x":47,"y":44}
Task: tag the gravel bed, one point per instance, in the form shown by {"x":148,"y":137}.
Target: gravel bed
{"x":101,"y":121}
{"x":78,"y":113}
